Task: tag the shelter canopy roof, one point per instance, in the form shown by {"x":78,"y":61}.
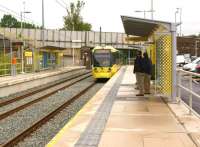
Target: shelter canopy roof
{"x":143,"y":27}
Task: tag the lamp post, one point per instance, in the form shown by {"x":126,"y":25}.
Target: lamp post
{"x":176,"y":12}
{"x":73,"y":41}
{"x":152,"y":9}
{"x":22,"y":49}
{"x":180,"y":12}
{"x":43,"y":22}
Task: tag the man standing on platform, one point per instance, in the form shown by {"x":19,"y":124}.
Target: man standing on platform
{"x":147,"y":73}
{"x":137,"y":68}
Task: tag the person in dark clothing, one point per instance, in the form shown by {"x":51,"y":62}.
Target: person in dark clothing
{"x":137,"y":67}
{"x":147,"y":68}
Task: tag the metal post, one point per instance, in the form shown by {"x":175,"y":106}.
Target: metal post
{"x":22,"y":49}
{"x":152,"y":11}
{"x":21,"y":13}
{"x":43,"y":22}
{"x":175,"y":17}
{"x":180,"y":21}
{"x":100,"y":37}
{"x":11,"y":55}
{"x":42,"y":13}
{"x":73,"y":55}
{"x":174,"y":47}
{"x":22,"y":54}
{"x":72,"y":44}
{"x":179,"y":83}
{"x":21,"y":25}
{"x":190,"y":98}
{"x":144,"y":14}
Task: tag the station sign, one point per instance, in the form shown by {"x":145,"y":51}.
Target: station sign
{"x":28,"y":54}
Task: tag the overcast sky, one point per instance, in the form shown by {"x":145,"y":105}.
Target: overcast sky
{"x":106,"y":13}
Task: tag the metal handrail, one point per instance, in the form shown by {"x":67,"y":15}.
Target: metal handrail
{"x":188,"y":72}
{"x":180,"y":73}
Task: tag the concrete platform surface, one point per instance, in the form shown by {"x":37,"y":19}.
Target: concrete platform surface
{"x":129,"y":121}
{"x":9,"y":80}
{"x":10,"y":85}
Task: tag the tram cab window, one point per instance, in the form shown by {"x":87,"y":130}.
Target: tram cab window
{"x":102,"y":59}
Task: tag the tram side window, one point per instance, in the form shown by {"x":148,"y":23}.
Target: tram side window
{"x":115,"y":58}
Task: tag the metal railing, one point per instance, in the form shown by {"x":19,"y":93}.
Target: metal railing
{"x":186,"y":75}
{"x":5,"y":69}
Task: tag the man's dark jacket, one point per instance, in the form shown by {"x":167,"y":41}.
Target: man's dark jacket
{"x":146,"y":65}
{"x":138,"y":64}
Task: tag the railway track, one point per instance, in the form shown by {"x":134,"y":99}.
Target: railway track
{"x":37,"y":124}
{"x":23,"y":106}
{"x":12,"y":100}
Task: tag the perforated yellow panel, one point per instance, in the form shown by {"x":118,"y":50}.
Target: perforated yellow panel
{"x":164,"y":63}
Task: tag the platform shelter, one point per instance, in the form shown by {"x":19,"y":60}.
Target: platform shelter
{"x":158,"y":38}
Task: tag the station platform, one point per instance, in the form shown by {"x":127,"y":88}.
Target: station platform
{"x":115,"y":117}
{"x":20,"y":82}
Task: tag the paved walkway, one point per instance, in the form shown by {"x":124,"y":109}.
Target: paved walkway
{"x":115,"y":117}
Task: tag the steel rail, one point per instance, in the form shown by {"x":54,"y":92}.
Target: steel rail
{"x":4,"y":103}
{"x":45,"y":119}
{"x":11,"y":112}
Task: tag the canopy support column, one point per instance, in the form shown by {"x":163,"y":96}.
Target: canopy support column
{"x":174,"y":50}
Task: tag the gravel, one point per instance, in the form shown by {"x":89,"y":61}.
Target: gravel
{"x":67,"y":74}
{"x":11,"y":106}
{"x":19,"y":121}
{"x":43,"y":135}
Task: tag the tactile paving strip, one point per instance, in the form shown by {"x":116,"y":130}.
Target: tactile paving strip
{"x":92,"y":135}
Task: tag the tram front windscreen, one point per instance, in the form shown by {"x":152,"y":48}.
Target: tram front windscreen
{"x":102,"y":58}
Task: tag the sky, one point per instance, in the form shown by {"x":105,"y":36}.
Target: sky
{"x":106,"y":13}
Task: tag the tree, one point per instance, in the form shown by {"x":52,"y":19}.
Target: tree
{"x":11,"y":22}
{"x":74,"y":20}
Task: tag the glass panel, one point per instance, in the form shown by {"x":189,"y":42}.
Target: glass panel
{"x":102,"y":58}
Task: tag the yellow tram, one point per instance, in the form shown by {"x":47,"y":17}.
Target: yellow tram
{"x":106,"y":62}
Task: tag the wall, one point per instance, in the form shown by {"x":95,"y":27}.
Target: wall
{"x":66,"y":39}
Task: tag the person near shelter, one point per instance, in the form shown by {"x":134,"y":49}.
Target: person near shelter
{"x":147,"y":67}
{"x":137,"y":67}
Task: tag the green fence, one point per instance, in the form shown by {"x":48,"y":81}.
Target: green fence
{"x":5,"y":64}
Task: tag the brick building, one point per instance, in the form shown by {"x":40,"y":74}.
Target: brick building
{"x":188,"y":45}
